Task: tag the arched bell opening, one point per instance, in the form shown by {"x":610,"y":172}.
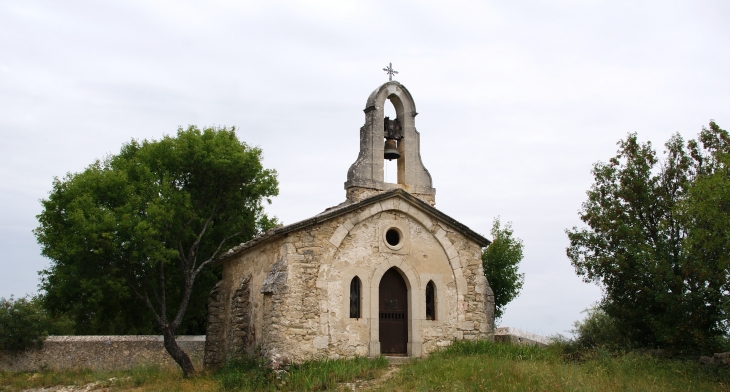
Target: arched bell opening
{"x":390,"y":163}
{"x":389,"y":109}
{"x":393,"y":149}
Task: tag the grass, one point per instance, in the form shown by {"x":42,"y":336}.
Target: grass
{"x":248,"y":375}
{"x":486,"y":366}
{"x":140,"y":378}
{"x":240,"y":375}
{"x":464,"y":366}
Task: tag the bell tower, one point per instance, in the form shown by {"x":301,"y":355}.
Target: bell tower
{"x":383,"y":138}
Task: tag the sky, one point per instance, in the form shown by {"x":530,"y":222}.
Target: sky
{"x":516,"y":99}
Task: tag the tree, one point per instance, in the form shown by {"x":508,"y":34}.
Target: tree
{"x":648,"y":240}
{"x":501,"y":260}
{"x":143,"y":225}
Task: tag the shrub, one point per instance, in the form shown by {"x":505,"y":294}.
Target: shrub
{"x":24,"y":324}
{"x":599,"y":331}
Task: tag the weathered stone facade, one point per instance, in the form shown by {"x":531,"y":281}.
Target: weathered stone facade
{"x":286,"y":294}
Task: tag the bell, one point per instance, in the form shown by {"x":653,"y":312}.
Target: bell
{"x":391,"y":151}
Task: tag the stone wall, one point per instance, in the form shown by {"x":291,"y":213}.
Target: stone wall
{"x":517,"y":336}
{"x":364,"y":253}
{"x":239,"y":336}
{"x":355,"y":194}
{"x":298,"y":281}
{"x":215,"y":351}
{"x":250,"y":303}
{"x":101,"y":353}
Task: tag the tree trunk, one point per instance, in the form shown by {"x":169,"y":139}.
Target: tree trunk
{"x":177,"y":353}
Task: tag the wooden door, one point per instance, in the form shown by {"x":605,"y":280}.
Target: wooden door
{"x":393,"y":314}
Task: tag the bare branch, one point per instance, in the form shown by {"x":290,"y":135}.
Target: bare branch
{"x":213,"y":256}
{"x":181,"y":255}
{"x":196,"y":244}
{"x":187,"y":224}
{"x":147,"y":302}
{"x":161,"y":287}
{"x":183,"y":303}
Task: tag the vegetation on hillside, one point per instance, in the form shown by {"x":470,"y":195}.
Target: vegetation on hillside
{"x":486,"y":366}
{"x":656,"y":242}
{"x":464,"y":366}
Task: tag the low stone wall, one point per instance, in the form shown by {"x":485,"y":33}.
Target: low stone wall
{"x":719,"y":359}
{"x":101,"y":353}
{"x":516,"y":336}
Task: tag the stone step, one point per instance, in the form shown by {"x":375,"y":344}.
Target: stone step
{"x":398,"y":360}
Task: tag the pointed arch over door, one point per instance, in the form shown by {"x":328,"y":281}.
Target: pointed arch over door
{"x":393,"y":313}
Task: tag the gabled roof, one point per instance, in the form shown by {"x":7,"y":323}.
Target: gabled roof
{"x":345,"y":208}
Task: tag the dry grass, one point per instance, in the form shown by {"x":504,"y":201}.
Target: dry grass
{"x":137,"y":379}
{"x":243,"y":375}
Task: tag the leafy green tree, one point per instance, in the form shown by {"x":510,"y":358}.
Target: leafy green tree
{"x":134,"y":232}
{"x":655,"y":240}
{"x":501,"y":261}
{"x":24,"y":323}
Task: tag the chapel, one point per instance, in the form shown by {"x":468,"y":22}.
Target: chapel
{"x":385,"y":272}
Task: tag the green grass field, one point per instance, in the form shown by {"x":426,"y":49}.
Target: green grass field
{"x":485,"y":366}
{"x":465,"y":366}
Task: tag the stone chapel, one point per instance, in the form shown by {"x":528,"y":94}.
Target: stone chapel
{"x":382,"y":273}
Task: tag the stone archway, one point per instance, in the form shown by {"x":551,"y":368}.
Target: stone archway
{"x":393,"y":313}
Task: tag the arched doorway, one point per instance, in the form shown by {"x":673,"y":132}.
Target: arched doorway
{"x":393,"y":314}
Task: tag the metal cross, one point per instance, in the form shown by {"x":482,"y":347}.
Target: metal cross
{"x":390,"y":71}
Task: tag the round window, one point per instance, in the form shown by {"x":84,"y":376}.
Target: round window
{"x":394,"y":238}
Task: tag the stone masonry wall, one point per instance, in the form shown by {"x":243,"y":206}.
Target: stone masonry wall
{"x":101,"y":353}
{"x":214,"y":343}
{"x":363,"y":253}
{"x":477,"y":304}
{"x":240,"y":334}
{"x":253,"y":285}
{"x":357,"y":193}
{"x":297,"y":314}
{"x":298,"y":290}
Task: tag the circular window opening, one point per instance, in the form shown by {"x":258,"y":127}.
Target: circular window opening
{"x":392,"y":236}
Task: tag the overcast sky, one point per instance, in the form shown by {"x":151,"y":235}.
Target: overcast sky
{"x":517,"y":100}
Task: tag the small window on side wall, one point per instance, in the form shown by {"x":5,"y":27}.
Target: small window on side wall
{"x":430,"y":301}
{"x":355,"y":298}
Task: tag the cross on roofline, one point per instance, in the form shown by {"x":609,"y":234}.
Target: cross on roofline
{"x":390,"y":71}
